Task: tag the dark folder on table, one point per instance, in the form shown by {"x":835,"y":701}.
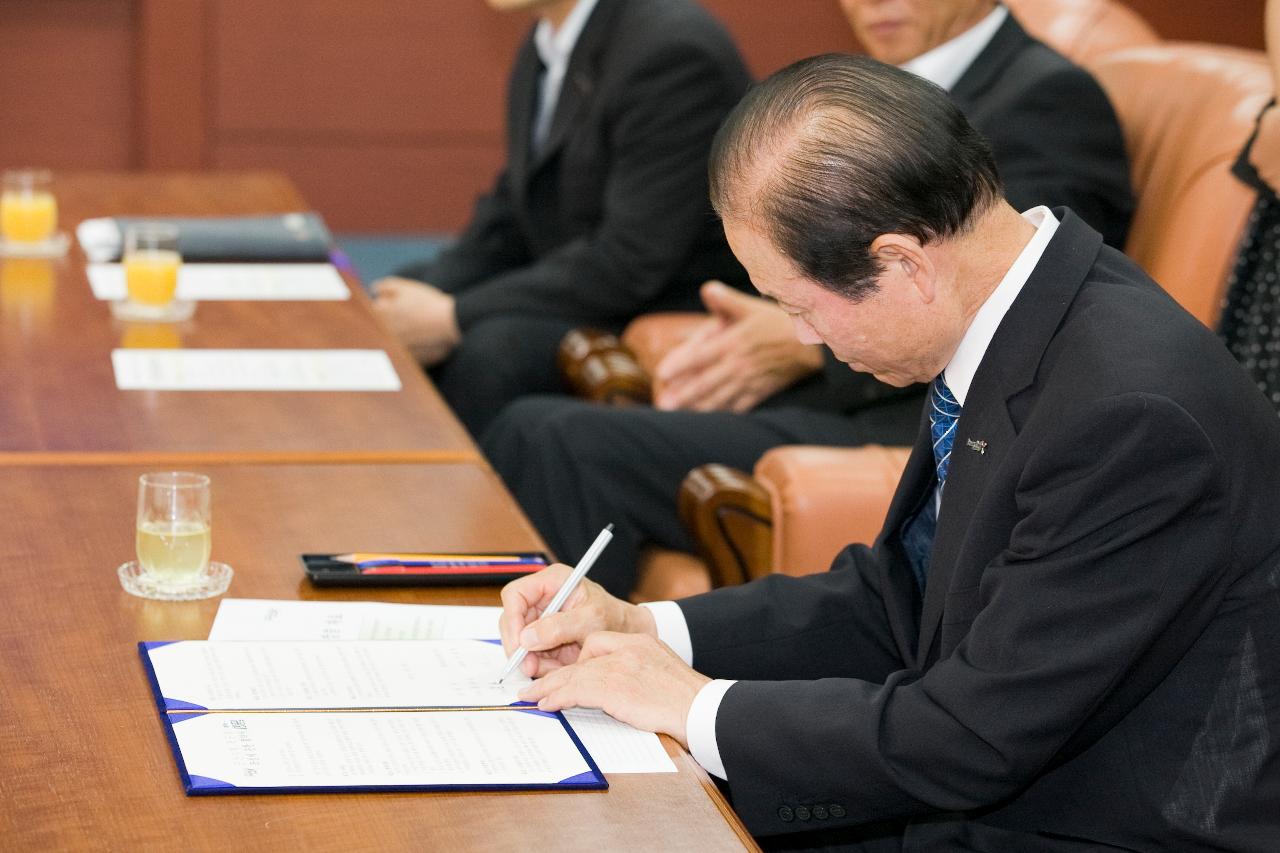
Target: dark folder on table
{"x":297,"y":237}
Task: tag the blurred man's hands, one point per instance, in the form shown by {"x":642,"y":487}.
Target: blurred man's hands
{"x":745,"y":352}
{"x":423,"y":317}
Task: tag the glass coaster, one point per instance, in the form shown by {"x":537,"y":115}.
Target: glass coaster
{"x":54,"y":247}
{"x":213,"y":581}
{"x":173,"y":312}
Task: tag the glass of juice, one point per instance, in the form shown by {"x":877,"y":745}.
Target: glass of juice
{"x":28,"y":210}
{"x":151,"y":263}
{"x":174,"y":537}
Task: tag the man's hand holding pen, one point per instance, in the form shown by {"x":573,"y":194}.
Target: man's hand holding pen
{"x":597,"y":652}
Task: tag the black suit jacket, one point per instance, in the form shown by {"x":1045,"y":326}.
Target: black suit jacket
{"x":1096,"y":659}
{"x":1056,"y":141}
{"x":611,"y":218}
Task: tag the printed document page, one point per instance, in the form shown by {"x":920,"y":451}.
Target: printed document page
{"x":353,"y":750}
{"x":353,"y":674}
{"x":253,"y":370}
{"x":218,"y":282}
{"x":616,"y":746}
{"x":259,"y":619}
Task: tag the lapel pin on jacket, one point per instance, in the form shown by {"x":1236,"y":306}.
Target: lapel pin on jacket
{"x":978,"y":445}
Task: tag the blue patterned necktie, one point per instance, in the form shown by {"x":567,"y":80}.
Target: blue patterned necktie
{"x":918,"y":532}
{"x":944,"y":412}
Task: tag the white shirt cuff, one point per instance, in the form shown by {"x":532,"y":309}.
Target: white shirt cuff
{"x":700,"y":727}
{"x":672,"y":628}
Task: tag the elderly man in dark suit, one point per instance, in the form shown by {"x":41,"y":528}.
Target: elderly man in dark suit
{"x":742,"y":384}
{"x":1067,"y":635}
{"x":600,"y":213}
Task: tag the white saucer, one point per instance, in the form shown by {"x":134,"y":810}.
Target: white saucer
{"x":54,"y":247}
{"x":175,"y":311}
{"x":213,"y":581}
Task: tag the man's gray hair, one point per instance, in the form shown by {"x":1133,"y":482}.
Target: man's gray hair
{"x":833,"y":151}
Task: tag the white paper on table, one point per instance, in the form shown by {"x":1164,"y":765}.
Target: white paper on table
{"x":260,"y":619}
{"x":455,"y":748}
{"x":349,"y":674}
{"x":254,"y":370}
{"x":217,"y":282}
{"x":616,"y":746}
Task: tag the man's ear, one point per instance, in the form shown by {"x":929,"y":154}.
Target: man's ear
{"x":904,"y":257}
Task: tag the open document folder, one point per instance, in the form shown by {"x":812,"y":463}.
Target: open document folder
{"x":616,"y":747}
{"x":387,"y":715}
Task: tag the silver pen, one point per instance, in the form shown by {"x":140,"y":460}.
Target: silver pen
{"x":562,"y":594}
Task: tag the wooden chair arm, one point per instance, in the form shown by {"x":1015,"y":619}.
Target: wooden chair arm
{"x":729,"y":517}
{"x":603,"y":368}
{"x":597,"y":366}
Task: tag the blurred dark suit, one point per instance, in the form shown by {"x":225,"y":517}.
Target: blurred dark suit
{"x":609,"y":218}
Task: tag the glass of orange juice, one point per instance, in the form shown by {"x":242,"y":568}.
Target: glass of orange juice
{"x":28,"y":210}
{"x":151,"y":263}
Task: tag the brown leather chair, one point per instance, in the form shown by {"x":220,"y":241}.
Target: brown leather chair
{"x":1082,"y":30}
{"x":1186,"y":111}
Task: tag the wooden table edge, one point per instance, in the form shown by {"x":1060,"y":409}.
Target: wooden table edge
{"x":678,"y":753}
{"x":242,"y":457}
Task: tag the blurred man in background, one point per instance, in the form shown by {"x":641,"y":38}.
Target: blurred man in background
{"x":601,"y":211}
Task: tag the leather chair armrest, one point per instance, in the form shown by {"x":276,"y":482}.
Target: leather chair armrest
{"x":801,"y":507}
{"x":666,"y":575}
{"x":652,"y":336}
{"x":1083,"y":29}
{"x":824,"y":498}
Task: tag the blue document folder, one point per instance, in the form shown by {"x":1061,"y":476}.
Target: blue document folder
{"x":344,"y":724}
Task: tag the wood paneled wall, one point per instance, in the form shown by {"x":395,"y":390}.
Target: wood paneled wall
{"x":67,"y":83}
{"x":386,"y":113}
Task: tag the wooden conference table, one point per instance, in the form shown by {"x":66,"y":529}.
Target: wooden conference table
{"x":84,"y":763}
{"x":59,"y":391}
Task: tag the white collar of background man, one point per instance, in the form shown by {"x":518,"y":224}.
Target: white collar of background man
{"x":947,"y":62}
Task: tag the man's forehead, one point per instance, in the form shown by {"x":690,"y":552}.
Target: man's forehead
{"x":751,"y":238}
{"x":772,"y":272}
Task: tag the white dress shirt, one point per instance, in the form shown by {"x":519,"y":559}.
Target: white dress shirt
{"x":947,"y":62}
{"x":555,"y":48}
{"x":700,"y":725}
{"x":964,"y":363}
